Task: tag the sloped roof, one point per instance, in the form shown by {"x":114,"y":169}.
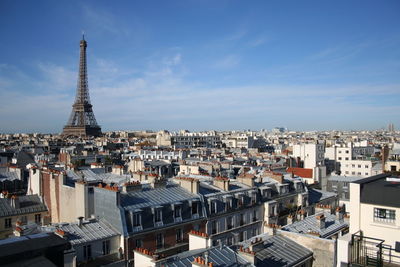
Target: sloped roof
{"x":311,"y":224}
{"x":302,"y":172}
{"x":219,"y":256}
{"x":27,"y":204}
{"x":88,"y":232}
{"x":148,"y":197}
{"x":280,"y":251}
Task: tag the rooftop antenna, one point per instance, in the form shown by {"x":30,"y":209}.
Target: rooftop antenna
{"x":83,"y":35}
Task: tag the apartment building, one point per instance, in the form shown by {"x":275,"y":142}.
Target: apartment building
{"x":374,"y":222}
{"x":17,"y":211}
{"x":156,"y":216}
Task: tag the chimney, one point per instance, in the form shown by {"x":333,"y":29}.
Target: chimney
{"x":274,"y":175}
{"x":221,"y":183}
{"x":80,"y":221}
{"x":385,"y":155}
{"x":190,"y":184}
{"x":158,"y":183}
{"x":246,"y":178}
{"x":339,"y":214}
{"x":321,"y":221}
{"x":132,"y":187}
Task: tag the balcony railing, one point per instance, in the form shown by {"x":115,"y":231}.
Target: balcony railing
{"x":368,"y":251}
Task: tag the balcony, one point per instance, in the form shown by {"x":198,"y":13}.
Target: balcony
{"x":368,"y":251}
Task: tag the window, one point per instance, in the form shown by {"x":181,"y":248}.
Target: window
{"x":340,"y":158}
{"x":340,"y":151}
{"x":353,"y":165}
{"x":366,"y":166}
{"x":159,"y":240}
{"x":87,"y":252}
{"x":254,"y":215}
{"x":253,"y":198}
{"x":347,"y":152}
{"x":213,"y":206}
{"x":138,"y":243}
{"x":366,"y":173}
{"x":240,"y":201}
{"x":24,"y":219}
{"x":229,"y":241}
{"x":179,"y":236}
{"x":359,"y":165}
{"x":254,"y":232}
{"x":7,"y":223}
{"x":240,"y":236}
{"x":358,"y":173}
{"x":228,"y":204}
{"x":158,"y":215}
{"x":38,"y":218}
{"x":384,"y":215}
{"x":214,"y":227}
{"x":194,"y":208}
{"x":106,"y":247}
{"x":353,"y":173}
{"x":136,"y":219}
{"x":229,"y":222}
{"x":346,"y":172}
{"x":241,"y":219}
{"x":177,"y":211}
{"x":347,"y":158}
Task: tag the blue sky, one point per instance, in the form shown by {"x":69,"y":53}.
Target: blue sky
{"x":198,"y":65}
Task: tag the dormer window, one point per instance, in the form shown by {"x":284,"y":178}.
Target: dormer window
{"x":240,"y":198}
{"x":228,"y":203}
{"x":253,"y":197}
{"x":157,"y":212}
{"x":136,"y":219}
{"x":213,"y":206}
{"x":178,"y":211}
{"x":158,"y":215}
{"x":194,"y":209}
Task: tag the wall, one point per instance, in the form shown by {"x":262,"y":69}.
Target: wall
{"x":390,"y":232}
{"x":67,"y":198}
{"x":324,"y":249}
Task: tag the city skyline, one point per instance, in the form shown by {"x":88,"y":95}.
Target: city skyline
{"x":202,"y":66}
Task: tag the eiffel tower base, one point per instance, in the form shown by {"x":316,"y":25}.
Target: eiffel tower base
{"x":81,"y":131}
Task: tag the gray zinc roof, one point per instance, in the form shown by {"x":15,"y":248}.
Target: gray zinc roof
{"x":88,"y":232}
{"x":316,"y":195}
{"x":311,"y":224}
{"x":11,"y":176}
{"x":219,"y":256}
{"x":27,"y":204}
{"x":148,"y":196}
{"x":280,"y":251}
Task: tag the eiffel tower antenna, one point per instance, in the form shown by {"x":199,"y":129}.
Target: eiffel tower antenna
{"x":82,"y":121}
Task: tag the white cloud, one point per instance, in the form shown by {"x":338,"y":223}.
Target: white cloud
{"x":229,"y":61}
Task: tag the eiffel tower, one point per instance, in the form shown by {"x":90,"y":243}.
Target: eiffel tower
{"x":82,"y":122}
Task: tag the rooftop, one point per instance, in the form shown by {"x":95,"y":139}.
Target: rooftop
{"x":279,"y":251}
{"x":27,"y":204}
{"x":149,"y":196}
{"x":310,"y":225}
{"x":377,"y":190}
{"x":89,"y":231}
{"x":219,"y":256}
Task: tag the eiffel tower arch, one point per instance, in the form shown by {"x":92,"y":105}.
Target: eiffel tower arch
{"x":82,"y":121}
